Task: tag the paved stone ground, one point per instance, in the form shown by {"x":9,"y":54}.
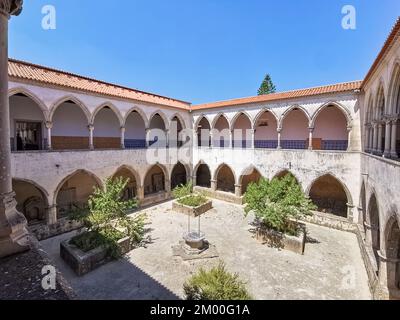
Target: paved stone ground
{"x":151,"y":272}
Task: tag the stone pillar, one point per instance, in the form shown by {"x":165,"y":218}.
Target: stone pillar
{"x":375,"y":139}
{"x":393,"y":151}
{"x":167,"y":136}
{"x":368,"y":234}
{"x":310,"y":138}
{"x":52,"y":215}
{"x":147,"y":137}
{"x":253,"y":134}
{"x":194,"y":180}
{"x":349,"y":132}
{"x":350,"y":214}
{"x":168,"y":186}
{"x":212,"y":138}
{"x":49,"y":126}
{"x":386,"y":281}
{"x":380,"y":135}
{"x":91,"y":129}
{"x":213,"y":185}
{"x":371,"y":139}
{"x":368,"y":138}
{"x":388,"y":132}
{"x":13,"y":232}
{"x":231,"y":137}
{"x":140,"y":194}
{"x":238,"y":190}
{"x":279,"y":138}
{"x":123,"y":137}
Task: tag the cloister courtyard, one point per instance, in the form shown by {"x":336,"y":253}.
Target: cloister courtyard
{"x":331,"y":268}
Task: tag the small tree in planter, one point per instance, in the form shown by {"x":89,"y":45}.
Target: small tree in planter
{"x":106,"y":221}
{"x":278,"y":205}
{"x":184,"y":195}
{"x":215,"y":284}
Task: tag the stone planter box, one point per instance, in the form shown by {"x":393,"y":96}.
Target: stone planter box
{"x":84,"y":262}
{"x":280,"y":240}
{"x":192,"y":211}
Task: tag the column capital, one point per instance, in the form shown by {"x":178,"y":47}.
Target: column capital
{"x":11,"y":7}
{"x":49,"y":125}
{"x":123,"y":129}
{"x":311,"y":128}
{"x":90,"y":127}
{"x":279,"y":130}
{"x":349,"y":128}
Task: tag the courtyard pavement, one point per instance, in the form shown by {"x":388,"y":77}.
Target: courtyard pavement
{"x":331,"y":267}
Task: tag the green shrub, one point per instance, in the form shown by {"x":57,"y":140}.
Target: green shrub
{"x":106,"y":221}
{"x":216,"y":284}
{"x":193,"y":200}
{"x":182,"y":191}
{"x":278,"y":204}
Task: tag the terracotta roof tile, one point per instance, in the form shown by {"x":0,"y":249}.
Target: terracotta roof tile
{"x":28,"y":71}
{"x":335,"y":88}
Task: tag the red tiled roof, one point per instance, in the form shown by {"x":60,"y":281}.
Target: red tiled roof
{"x":28,"y":71}
{"x":385,"y":49}
{"x":335,"y":88}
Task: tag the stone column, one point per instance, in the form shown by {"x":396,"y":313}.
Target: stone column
{"x":231,"y":137}
{"x":388,"y":132}
{"x":212,"y":138}
{"x":368,"y":234}
{"x":380,"y":134}
{"x":253,"y":134}
{"x":213,"y":185}
{"x":91,"y":129}
{"x":194,"y":180}
{"x":368,"y":138}
{"x":140,"y":194}
{"x":350,"y":215}
{"x":123,"y":137}
{"x":310,"y":138}
{"x":393,"y":151}
{"x":387,"y":276}
{"x":52,"y":215}
{"x":349,"y":131}
{"x":13,"y":232}
{"x":375,"y":139}
{"x":147,"y":137}
{"x":167,"y":136}
{"x":279,"y":138}
{"x":49,"y":126}
{"x":238,"y":190}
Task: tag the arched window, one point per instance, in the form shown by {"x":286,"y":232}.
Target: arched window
{"x":178,"y":176}
{"x":295,"y":132}
{"x":107,"y":129}
{"x":252,"y":176}
{"x":222,"y":134}
{"x":241,"y":132}
{"x":135,"y":131}
{"x":266,"y":131}
{"x":225,"y":179}
{"x":203,"y":176}
{"x":158,"y":131}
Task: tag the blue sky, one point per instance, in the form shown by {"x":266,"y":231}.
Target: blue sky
{"x":208,"y":50}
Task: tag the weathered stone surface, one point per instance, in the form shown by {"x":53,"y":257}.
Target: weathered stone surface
{"x":280,"y":240}
{"x":220,"y":195}
{"x":192,"y":211}
{"x":45,"y":231}
{"x":84,"y":262}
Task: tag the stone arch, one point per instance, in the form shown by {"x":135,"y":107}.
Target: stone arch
{"x":27,"y":117}
{"x":203,"y":175}
{"x":180,"y":118}
{"x":241,"y":125}
{"x":140,"y":113}
{"x":73,"y":99}
{"x":202,"y":124}
{"x":369,"y":117}
{"x":162,"y":116}
{"x":221,"y":131}
{"x":380,"y":102}
{"x":74,"y":191}
{"x":225,"y":178}
{"x":294,"y":125}
{"x":374,"y":227}
{"x":131,"y":189}
{"x":175,"y":138}
{"x":392,"y":248}
{"x":107,"y":123}
{"x":32,"y":200}
{"x":330,"y":124}
{"x":283,"y":173}
{"x":179,"y":175}
{"x":113,"y":108}
{"x":154,"y":127}
{"x":249,"y":175}
{"x":266,"y":129}
{"x":394,"y":90}
{"x":29,"y":94}
{"x":330,"y":195}
{"x":155,"y":180}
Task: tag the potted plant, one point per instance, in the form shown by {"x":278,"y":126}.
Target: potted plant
{"x":189,"y":203}
{"x":108,"y":232}
{"x":278,"y":205}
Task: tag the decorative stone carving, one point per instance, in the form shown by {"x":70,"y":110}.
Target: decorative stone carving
{"x":11,"y":7}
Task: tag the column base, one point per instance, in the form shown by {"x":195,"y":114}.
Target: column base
{"x":14,"y":237}
{"x":394,"y":155}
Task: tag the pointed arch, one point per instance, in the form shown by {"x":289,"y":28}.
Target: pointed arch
{"x":330,"y":195}
{"x":394,"y":90}
{"x":73,"y":99}
{"x":130,"y":170}
{"x":225,"y":182}
{"x":199,"y":119}
{"x":162,"y":116}
{"x":139,"y":112}
{"x":155,"y":179}
{"x":179,"y":175}
{"x":238,"y":115}
{"x":203,"y":174}
{"x":266,"y":129}
{"x":29,"y":94}
{"x":380,"y":101}
{"x":288,"y":111}
{"x":339,"y":106}
{"x":392,"y":253}
{"x":249,"y":175}
{"x":261,"y":113}
{"x":217,"y":117}
{"x":283,"y":173}
{"x":180,"y":118}
{"x":112,"y":107}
